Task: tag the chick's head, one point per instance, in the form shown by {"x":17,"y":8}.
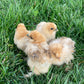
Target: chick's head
{"x":48,"y":29}
{"x":36,"y":37}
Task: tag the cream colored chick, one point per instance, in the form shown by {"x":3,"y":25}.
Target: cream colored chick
{"x":48,"y":29}
{"x":20,"y":37}
{"x":38,"y":59}
{"x":62,"y":50}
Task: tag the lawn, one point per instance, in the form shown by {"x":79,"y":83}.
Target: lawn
{"x":68,"y":15}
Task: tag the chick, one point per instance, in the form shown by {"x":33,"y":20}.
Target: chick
{"x":48,"y":29}
{"x":20,"y":38}
{"x":62,"y":50}
{"x":38,"y":59}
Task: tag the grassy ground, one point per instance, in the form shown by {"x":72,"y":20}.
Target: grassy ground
{"x":69,"y":17}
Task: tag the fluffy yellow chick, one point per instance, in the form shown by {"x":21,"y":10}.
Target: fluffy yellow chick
{"x":48,"y":29}
{"x":62,"y":50}
{"x":20,"y":38}
{"x":38,"y":59}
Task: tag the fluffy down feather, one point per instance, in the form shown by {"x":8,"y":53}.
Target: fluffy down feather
{"x":62,"y":50}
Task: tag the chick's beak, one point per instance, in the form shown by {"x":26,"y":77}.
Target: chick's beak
{"x":28,"y":35}
{"x":56,"y":29}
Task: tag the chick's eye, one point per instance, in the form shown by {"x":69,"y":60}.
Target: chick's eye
{"x":51,"y":28}
{"x":31,"y":37}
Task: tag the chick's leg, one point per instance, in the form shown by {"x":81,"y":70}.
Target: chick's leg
{"x":36,"y":71}
{"x":32,"y":66}
{"x":29,"y":74}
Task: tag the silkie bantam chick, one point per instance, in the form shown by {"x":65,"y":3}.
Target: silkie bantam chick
{"x":20,"y":37}
{"x":62,"y":50}
{"x":48,"y":29}
{"x":38,"y":59}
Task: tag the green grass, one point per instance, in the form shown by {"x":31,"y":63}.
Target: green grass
{"x":69,"y":17}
